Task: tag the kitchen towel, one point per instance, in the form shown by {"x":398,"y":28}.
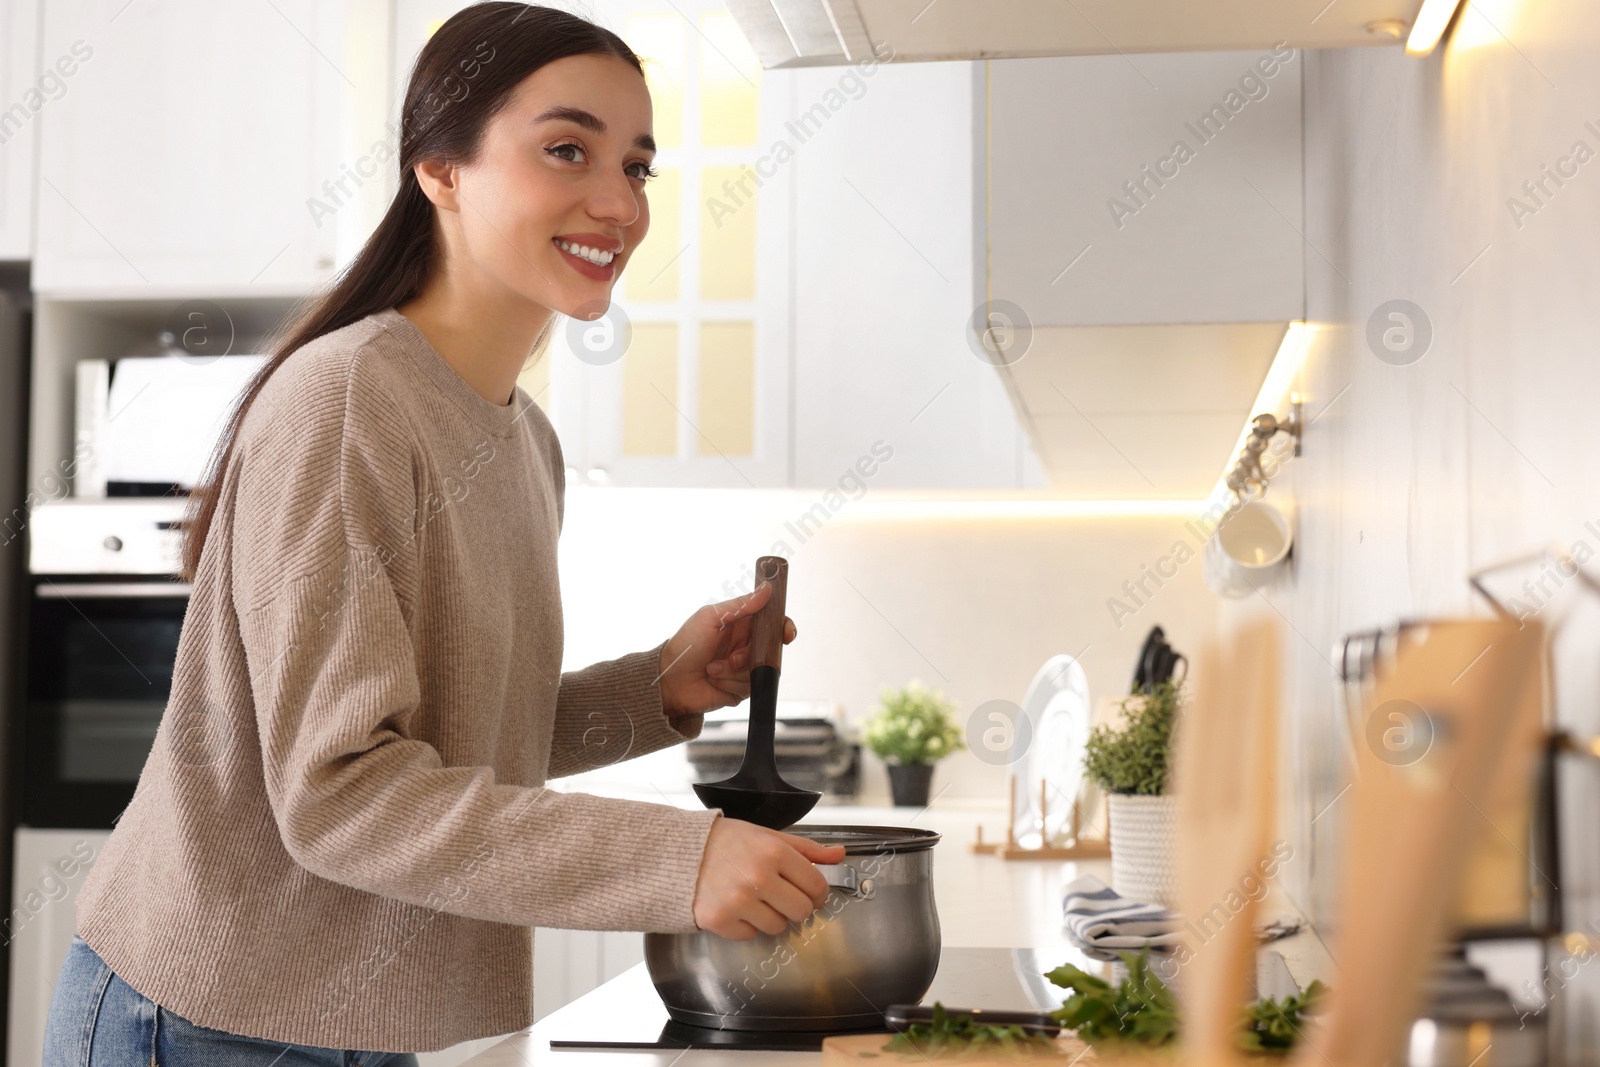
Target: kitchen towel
{"x":1098,"y":918}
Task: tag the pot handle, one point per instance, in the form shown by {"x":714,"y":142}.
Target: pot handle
{"x":842,"y":876}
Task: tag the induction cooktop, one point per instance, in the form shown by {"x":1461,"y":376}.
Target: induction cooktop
{"x":631,"y":1015}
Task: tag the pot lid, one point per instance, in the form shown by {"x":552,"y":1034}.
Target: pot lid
{"x":861,"y":840}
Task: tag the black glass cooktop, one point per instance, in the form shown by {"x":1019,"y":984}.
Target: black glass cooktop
{"x":676,"y":1035}
{"x":626,"y":1013}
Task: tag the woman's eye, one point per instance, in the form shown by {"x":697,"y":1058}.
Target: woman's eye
{"x":642,"y":171}
{"x":569,"y":152}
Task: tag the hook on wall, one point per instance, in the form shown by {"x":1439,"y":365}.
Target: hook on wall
{"x":1248,"y":478}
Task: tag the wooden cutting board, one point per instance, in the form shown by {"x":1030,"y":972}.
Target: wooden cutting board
{"x":859,"y":1050}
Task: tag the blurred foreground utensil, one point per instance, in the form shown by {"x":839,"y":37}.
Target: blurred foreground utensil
{"x":1448,"y":725}
{"x":1226,"y":784}
{"x":1444,"y":730}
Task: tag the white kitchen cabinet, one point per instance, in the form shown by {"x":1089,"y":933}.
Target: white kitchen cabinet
{"x":47,"y":872}
{"x":864,"y":265}
{"x":569,"y":963}
{"x":206,"y":149}
{"x":25,"y":91}
{"x":886,"y":268}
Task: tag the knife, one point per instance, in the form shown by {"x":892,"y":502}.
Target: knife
{"x":900,"y":1016}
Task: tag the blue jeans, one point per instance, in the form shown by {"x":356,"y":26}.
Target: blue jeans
{"x":98,"y":1020}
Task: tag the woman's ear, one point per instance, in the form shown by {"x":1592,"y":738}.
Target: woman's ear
{"x":439,"y":183}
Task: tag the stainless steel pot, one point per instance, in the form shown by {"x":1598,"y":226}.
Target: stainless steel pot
{"x":874,"y":942}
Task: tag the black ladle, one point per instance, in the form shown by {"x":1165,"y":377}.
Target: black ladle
{"x":756,"y":793}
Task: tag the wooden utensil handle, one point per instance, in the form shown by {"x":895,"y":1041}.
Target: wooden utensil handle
{"x":766,"y":626}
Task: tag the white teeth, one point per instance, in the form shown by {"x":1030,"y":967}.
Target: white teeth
{"x":593,"y":255}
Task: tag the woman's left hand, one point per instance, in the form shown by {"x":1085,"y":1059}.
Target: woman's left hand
{"x":706,"y":664}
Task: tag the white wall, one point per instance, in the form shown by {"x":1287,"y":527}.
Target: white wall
{"x":973,"y":606}
{"x":1485,"y":447}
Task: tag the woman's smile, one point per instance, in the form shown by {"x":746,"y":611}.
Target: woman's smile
{"x":590,"y":254}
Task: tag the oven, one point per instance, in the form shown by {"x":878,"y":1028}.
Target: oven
{"x":104,"y":612}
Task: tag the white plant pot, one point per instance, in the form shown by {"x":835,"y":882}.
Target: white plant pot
{"x":1144,"y":847}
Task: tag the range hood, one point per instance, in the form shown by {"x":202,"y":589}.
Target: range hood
{"x":801,"y":33}
{"x":1151,"y":295}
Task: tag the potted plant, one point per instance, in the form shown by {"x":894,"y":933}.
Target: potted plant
{"x":914,"y":728}
{"x":1131,"y":765}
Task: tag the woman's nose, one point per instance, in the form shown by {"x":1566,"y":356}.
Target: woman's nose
{"x":613,"y":199}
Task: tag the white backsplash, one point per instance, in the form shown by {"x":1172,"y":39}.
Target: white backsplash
{"x":973,"y":606}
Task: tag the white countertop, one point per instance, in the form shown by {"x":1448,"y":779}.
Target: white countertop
{"x":983,"y":901}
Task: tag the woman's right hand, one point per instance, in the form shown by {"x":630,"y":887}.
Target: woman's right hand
{"x":755,"y":880}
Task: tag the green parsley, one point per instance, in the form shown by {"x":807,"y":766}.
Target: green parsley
{"x":1272,"y":1028}
{"x":1142,"y":1010}
{"x":958,"y":1033}
{"x":1139,"y":1009}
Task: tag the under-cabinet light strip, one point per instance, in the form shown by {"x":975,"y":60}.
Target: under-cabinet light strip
{"x":1430,"y":25}
{"x":885,"y":505}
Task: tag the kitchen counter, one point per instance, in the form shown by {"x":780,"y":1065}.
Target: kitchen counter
{"x":983,"y":902}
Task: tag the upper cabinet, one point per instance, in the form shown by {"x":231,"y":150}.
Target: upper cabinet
{"x":25,"y":91}
{"x":833,"y":251}
{"x":888,"y":163}
{"x":206,"y":149}
{"x":791,"y":33}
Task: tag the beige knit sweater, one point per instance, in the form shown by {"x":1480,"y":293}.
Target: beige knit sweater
{"x":341,"y":837}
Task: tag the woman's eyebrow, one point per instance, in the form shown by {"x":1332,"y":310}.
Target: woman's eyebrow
{"x":589,"y":121}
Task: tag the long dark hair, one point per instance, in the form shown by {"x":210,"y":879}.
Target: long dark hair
{"x":463,"y":76}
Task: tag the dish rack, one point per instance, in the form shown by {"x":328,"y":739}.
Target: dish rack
{"x":1082,"y":846}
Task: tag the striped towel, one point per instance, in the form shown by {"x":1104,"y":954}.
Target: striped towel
{"x":1097,"y":917}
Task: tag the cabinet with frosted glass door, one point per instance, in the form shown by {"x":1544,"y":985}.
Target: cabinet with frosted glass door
{"x":684,"y":381}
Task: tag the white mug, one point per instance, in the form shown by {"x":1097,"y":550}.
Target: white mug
{"x":1249,"y":550}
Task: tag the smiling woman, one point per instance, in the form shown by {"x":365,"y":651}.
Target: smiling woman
{"x":342,"y":838}
{"x":552,"y":205}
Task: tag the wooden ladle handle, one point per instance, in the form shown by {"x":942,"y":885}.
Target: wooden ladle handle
{"x":766,"y":626}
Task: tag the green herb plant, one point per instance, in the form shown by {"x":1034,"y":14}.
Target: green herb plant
{"x":952,"y":1034}
{"x":913,"y":725}
{"x":1142,"y":1010}
{"x":1271,"y":1027}
{"x":1134,"y":759}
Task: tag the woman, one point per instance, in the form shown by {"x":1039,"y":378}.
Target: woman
{"x":340,"y":842}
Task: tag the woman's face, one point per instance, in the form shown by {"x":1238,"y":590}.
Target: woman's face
{"x":562,"y":169}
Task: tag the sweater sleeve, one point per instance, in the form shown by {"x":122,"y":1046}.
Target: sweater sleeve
{"x":612,"y":711}
{"x":324,"y":605}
